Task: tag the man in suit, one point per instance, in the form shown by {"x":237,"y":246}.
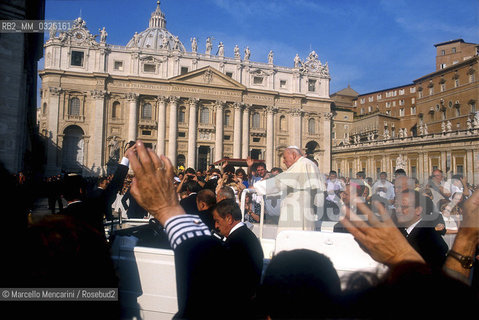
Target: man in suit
{"x":133,"y":209}
{"x":205,"y":202}
{"x":94,"y":207}
{"x":413,"y":220}
{"x":244,"y":249}
{"x":189,"y":203}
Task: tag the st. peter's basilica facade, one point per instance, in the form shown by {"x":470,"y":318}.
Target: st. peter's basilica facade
{"x":195,"y":107}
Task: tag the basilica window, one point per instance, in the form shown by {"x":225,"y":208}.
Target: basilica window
{"x":258,"y":80}
{"x":473,"y":106}
{"x":256,"y":120}
{"x":147,"y":67}
{"x":118,"y":65}
{"x":115,"y":110}
{"x":229,"y":74}
{"x":44,"y":109}
{"x":146,"y":111}
{"x":311,"y":126}
{"x":74,"y":107}
{"x":77,"y":58}
{"x":184,"y":70}
{"x":282,"y":84}
{"x":181,"y":115}
{"x":311,"y":85}
{"x":282,"y":123}
{"x":227,"y":120}
{"x":204,"y":116}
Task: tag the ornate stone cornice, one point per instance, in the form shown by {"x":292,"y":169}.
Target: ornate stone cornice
{"x":174,"y":99}
{"x":297,"y":112}
{"x":131,"y":96}
{"x":327,"y":115}
{"x":220,"y":104}
{"x":193,"y":101}
{"x":271,"y":109}
{"x":161,"y":99}
{"x":237,"y":105}
{"x":98,"y":94}
{"x":247,"y":106}
{"x":55,"y":91}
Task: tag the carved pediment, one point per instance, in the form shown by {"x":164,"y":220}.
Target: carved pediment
{"x":208,"y":76}
{"x":78,"y":34}
{"x":149,"y":59}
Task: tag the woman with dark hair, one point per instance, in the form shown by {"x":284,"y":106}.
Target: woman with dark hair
{"x":241,"y":174}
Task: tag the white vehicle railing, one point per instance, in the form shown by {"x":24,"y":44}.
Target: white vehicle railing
{"x":243,"y":207}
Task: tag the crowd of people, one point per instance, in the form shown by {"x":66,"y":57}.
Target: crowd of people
{"x":427,"y":235}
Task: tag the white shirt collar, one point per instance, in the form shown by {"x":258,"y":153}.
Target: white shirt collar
{"x":73,"y":202}
{"x":409,"y":229}
{"x":236,"y":227}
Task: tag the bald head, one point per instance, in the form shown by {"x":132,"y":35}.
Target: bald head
{"x":225,"y":192}
{"x":205,"y":199}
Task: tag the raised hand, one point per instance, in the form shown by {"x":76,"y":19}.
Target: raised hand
{"x":379,"y":237}
{"x":249,"y":162}
{"x":152,"y":187}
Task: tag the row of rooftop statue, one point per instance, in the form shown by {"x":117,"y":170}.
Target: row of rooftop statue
{"x":79,"y":23}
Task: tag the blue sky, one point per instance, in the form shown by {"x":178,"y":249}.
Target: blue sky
{"x":369,"y":44}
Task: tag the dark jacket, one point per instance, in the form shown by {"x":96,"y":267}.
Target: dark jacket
{"x":246,"y":256}
{"x":189,"y":204}
{"x":429,"y":244}
{"x":134,"y":210}
{"x":103,"y":199}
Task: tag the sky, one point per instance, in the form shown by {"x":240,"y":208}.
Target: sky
{"x":370,"y":45}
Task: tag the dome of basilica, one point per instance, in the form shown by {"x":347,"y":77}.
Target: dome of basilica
{"x":156,"y":37}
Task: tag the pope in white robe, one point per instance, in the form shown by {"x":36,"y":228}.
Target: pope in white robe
{"x":302,"y":189}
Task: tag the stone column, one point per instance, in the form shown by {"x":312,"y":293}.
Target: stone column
{"x":270,"y":137}
{"x":469,"y":166}
{"x":173,"y":124}
{"x":297,"y":127}
{"x":245,"y":137}
{"x":160,"y":142}
{"x":133,"y":116}
{"x":420,"y":168}
{"x":86,"y":144}
{"x":326,"y":141}
{"x":443,"y":162}
{"x":474,"y":167}
{"x":192,"y":128}
{"x":237,"y":132}
{"x":219,"y":105}
{"x":52,"y":125}
{"x":98,"y":131}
